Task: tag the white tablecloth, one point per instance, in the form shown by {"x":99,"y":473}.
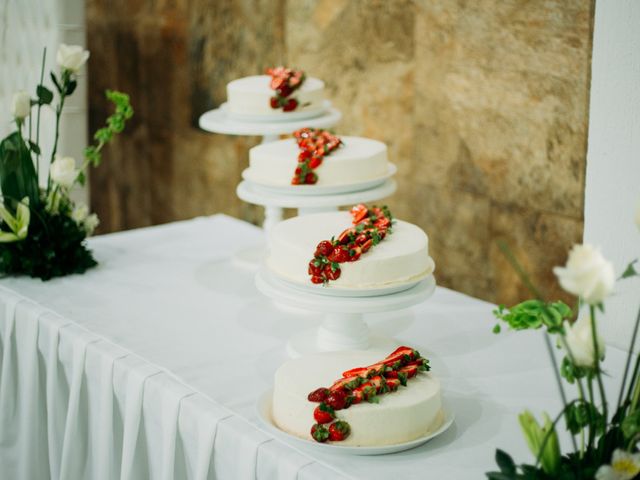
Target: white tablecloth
{"x":150,"y":365}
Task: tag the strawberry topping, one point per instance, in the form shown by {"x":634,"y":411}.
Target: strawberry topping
{"x":314,"y":145}
{"x":284,"y":81}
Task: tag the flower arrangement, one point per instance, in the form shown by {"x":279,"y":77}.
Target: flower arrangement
{"x":42,"y":231}
{"x":605,"y":435}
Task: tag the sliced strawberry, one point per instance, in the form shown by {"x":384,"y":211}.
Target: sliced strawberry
{"x":318,"y":395}
{"x":345,"y":236}
{"x":295,"y":180}
{"x":410,"y":370}
{"x":284,"y":90}
{"x":323,"y":413}
{"x":361,"y":238}
{"x":391,"y":374}
{"x":393,"y":384}
{"x":339,"y":430}
{"x":359,"y":212}
{"x":349,"y":383}
{"x":366,"y":246}
{"x":383,"y":222}
{"x":317,"y":279}
{"x":379,"y":383}
{"x":304,"y":155}
{"x":319,"y":433}
{"x":359,"y":372}
{"x":354,"y":253}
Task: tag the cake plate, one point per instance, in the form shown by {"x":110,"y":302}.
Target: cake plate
{"x":219,"y":121}
{"x":343,"y":326}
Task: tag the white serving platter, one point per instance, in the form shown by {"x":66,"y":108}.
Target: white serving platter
{"x":264,"y":408}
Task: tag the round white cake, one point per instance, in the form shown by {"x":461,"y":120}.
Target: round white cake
{"x":401,"y":416}
{"x":357,"y":160}
{"x":401,"y":257}
{"x":251,"y":96}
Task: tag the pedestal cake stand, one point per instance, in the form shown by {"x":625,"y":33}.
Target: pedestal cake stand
{"x":343,"y":327}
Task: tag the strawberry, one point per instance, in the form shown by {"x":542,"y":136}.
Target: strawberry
{"x":284,"y":90}
{"x":339,"y":430}
{"x":323,"y":413}
{"x":337,"y":400}
{"x":367,"y":391}
{"x":298,"y":170}
{"x":324,"y":249}
{"x":274,"y":102}
{"x":354,"y":253}
{"x":379,"y":383}
{"x":345,"y":236}
{"x":310,"y":178}
{"x":331,"y":273}
{"x":349,"y":383}
{"x":391,"y":374}
{"x":360,"y":372}
{"x":317,"y":279}
{"x":339,"y":255}
{"x":315,"y":162}
{"x":303,"y":155}
{"x":409,"y":370}
{"x":295,"y":180}
{"x":383,"y":222}
{"x":315,"y":270}
{"x":361,"y":238}
{"x":393,"y":384}
{"x":290,"y":105}
{"x":319,"y":433}
{"x":318,"y":395}
{"x":359,"y":212}
{"x":366,"y":246}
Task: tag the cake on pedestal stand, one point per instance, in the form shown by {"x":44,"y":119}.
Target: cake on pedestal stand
{"x":343,"y":327}
{"x":219,"y":121}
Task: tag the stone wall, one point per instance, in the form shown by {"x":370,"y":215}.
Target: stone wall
{"x":484,"y":106}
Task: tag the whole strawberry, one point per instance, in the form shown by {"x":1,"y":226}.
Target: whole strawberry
{"x":324,"y":413}
{"x":318,"y":395}
{"x":337,"y":400}
{"x":319,"y":433}
{"x":339,"y":430}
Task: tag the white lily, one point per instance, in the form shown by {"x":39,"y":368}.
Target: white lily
{"x":19,"y":225}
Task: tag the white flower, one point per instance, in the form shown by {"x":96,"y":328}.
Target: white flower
{"x":80,"y":213}
{"x":63,"y":171}
{"x":587,"y":274}
{"x":21,"y":105}
{"x":580,"y":342}
{"x":90,"y":223}
{"x":624,"y":466}
{"x":72,"y":57}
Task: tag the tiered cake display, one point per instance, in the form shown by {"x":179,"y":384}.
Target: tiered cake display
{"x":342,"y":264}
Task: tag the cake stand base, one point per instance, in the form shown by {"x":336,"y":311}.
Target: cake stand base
{"x":343,"y":326}
{"x":306,"y":343}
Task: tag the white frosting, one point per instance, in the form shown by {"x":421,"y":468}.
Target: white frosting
{"x":409,"y":413}
{"x":251,"y":96}
{"x":398,"y":258}
{"x":357,"y":160}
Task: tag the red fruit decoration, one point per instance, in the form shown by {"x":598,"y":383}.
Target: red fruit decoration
{"x":314,"y":145}
{"x":362,"y":384}
{"x":324,"y":413}
{"x":339,"y":430}
{"x":370,"y":227}
{"x":284,"y":81}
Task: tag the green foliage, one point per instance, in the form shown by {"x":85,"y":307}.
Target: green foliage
{"x":630,"y":271}
{"x":630,"y":426}
{"x":45,"y":96}
{"x":54,"y":247}
{"x":114,"y":125}
{"x":572,"y":372}
{"x":534,"y":314}
{"x":581,"y":414}
{"x":18,"y":178}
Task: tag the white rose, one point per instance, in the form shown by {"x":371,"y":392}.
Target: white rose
{"x":580,"y":342}
{"x":72,"y":57}
{"x":21,"y":106}
{"x":91,"y":223}
{"x":63,"y":171}
{"x":587,"y":274}
{"x":80,"y":213}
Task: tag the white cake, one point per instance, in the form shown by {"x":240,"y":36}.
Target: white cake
{"x":357,"y":160}
{"x":401,"y":416}
{"x":401,"y":257}
{"x":251,"y":96}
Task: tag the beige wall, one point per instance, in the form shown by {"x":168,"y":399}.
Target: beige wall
{"x":484,"y":106}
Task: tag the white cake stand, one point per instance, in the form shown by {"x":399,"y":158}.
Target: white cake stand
{"x":343,"y":327}
{"x":219,"y":121}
